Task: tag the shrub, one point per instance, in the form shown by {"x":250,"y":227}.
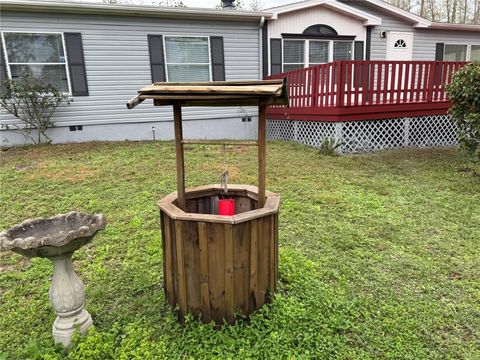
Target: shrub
{"x":33,"y":102}
{"x":464,"y":92}
{"x":329,"y":146}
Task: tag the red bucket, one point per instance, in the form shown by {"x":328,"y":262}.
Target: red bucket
{"x":226,"y":207}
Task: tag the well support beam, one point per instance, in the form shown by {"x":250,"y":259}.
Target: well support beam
{"x":262,"y":149}
{"x":177,"y":121}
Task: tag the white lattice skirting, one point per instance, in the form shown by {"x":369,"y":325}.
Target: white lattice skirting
{"x":361,"y":136}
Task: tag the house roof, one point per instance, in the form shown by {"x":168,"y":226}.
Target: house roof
{"x":450,"y":26}
{"x":368,"y":19}
{"x":416,"y":20}
{"x":73,"y":6}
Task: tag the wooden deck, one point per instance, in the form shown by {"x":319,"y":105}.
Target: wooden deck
{"x":366,"y":90}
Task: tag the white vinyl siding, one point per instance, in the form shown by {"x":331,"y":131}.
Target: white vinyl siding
{"x":41,"y":55}
{"x":118,"y":64}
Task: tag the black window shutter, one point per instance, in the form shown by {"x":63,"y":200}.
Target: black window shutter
{"x":218,"y":58}
{"x":439,"y":51}
{"x":275,"y":56}
{"x":265,"y":49}
{"x":157,"y":60}
{"x":3,"y":72}
{"x":76,"y":64}
{"x":358,"y":50}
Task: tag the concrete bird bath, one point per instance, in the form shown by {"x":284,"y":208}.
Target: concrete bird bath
{"x":56,"y":239}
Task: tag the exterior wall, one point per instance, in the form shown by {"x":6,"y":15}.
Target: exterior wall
{"x":117,"y":65}
{"x":213,"y":129}
{"x":389,"y":23}
{"x":297,"y":21}
{"x":425,"y":40}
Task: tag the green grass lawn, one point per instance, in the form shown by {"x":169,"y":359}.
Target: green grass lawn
{"x":379,"y":254}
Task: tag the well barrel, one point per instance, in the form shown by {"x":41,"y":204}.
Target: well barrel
{"x":217,"y":266}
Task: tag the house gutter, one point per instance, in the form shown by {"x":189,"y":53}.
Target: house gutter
{"x":77,"y":7}
{"x":260,"y":46}
{"x":449,"y":26}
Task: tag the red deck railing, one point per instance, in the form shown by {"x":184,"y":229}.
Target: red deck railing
{"x":362,"y":90}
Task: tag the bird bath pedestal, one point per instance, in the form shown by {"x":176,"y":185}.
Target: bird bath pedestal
{"x":56,"y":239}
{"x":218,"y":265}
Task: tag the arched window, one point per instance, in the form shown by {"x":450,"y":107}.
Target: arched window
{"x":320,"y":29}
{"x":400,"y":43}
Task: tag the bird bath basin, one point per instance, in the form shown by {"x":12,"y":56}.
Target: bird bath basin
{"x":56,"y":238}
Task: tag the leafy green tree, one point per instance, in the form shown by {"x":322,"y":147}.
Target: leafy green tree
{"x":33,"y":102}
{"x":464,"y":92}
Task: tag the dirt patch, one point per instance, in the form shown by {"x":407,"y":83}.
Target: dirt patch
{"x":233,"y":171}
{"x":238,"y":149}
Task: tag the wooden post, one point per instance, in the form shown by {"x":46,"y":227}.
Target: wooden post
{"x":262,"y":148}
{"x":177,"y":121}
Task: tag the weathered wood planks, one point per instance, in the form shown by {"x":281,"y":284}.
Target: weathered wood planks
{"x":215,"y":270}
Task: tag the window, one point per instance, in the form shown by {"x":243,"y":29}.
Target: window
{"x":41,"y":55}
{"x":342,"y":50}
{"x":187,"y":58}
{"x":475,"y":53}
{"x":293,"y":54}
{"x":400,"y":43}
{"x":454,"y":52}
{"x":298,"y":54}
{"x":318,"y":52}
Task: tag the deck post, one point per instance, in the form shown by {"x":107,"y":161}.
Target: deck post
{"x":341,"y":84}
{"x":262,"y":148}
{"x":177,"y":121}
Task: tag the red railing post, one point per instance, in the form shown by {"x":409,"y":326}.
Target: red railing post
{"x":431,"y":82}
{"x":314,"y":80}
{"x":341,"y":84}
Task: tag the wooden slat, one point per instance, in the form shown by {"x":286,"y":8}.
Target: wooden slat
{"x":253,"y":264}
{"x":191,"y":250}
{"x":241,"y":262}
{"x":162,"y":229}
{"x":271,"y":259}
{"x":263,"y":254}
{"x":276,"y":250}
{"x":216,"y":270}
{"x":242,"y":204}
{"x":229,"y":303}
{"x":169,"y":269}
{"x":204,"y":290}
{"x":182,"y":289}
{"x":220,"y":142}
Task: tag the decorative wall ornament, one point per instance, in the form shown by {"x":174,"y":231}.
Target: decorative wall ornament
{"x":400,"y":43}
